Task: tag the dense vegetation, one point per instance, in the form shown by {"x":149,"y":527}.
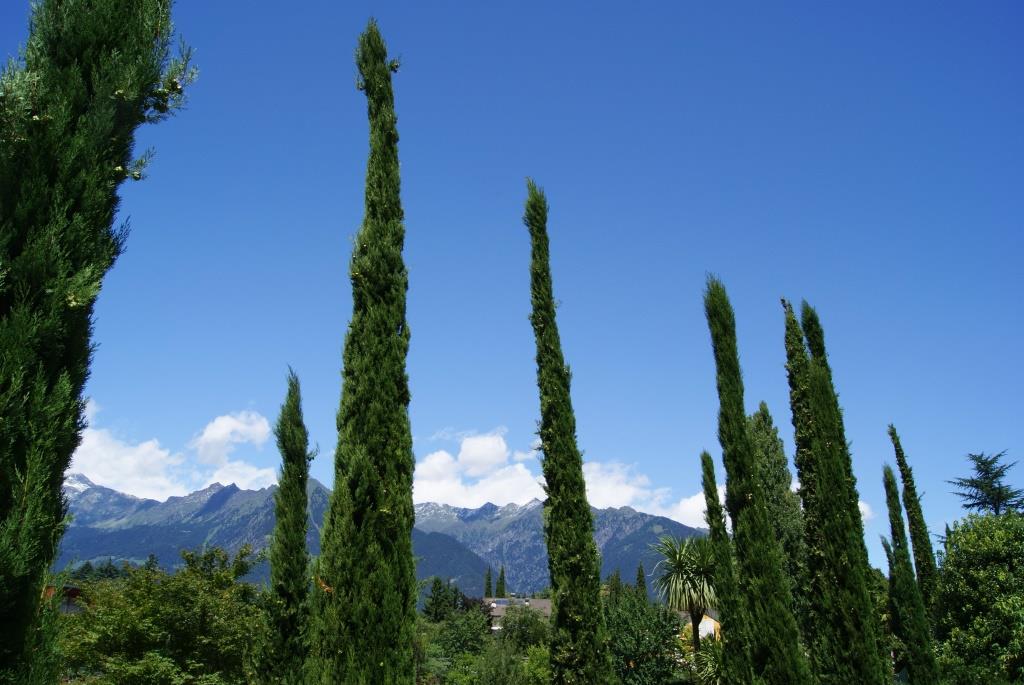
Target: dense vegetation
{"x":786,"y":573}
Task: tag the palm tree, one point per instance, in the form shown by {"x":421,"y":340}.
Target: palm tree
{"x":683,"y":577}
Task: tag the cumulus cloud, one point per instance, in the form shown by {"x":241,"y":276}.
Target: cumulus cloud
{"x":144,"y":469}
{"x":220,"y":437}
{"x":865,"y":510}
{"x":479,"y":473}
{"x":614,"y":484}
{"x":148,"y":469}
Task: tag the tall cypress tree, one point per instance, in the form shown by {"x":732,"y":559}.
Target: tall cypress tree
{"x":843,"y":632}
{"x":282,"y":658}
{"x":641,"y":581}
{"x":91,"y":73}
{"x":732,"y":614}
{"x":499,"y":588}
{"x":908,"y":616}
{"x":579,"y":646}
{"x":924,"y":554}
{"x":366,"y":584}
{"x":487,"y":583}
{"x":775,"y":650}
{"x":782,"y":503}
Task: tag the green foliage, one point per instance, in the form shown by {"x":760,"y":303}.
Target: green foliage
{"x":465,"y":632}
{"x":364,"y":602}
{"x":987,"y":491}
{"x":107,"y":570}
{"x":282,"y":656}
{"x":537,"y":667}
{"x":444,"y":600}
{"x":924,"y":555}
{"x":980,"y":601}
{"x":499,"y":589}
{"x":775,"y":651}
{"x":707,"y":663}
{"x":523,"y":627}
{"x":500,"y":664}
{"x":91,"y":72}
{"x":735,"y":663}
{"x":193,"y":626}
{"x":782,"y":503}
{"x":487,"y":583}
{"x":684,"y":577}
{"x":645,"y":644}
{"x":908,"y":616}
{"x":579,"y":650}
{"x":641,"y":581}
{"x":843,"y":634}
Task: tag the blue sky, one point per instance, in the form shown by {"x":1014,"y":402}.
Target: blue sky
{"x":865,"y":157}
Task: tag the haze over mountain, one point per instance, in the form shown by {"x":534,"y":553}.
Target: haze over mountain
{"x":448,"y":541}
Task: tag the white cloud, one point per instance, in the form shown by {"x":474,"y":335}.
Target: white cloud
{"x":219,"y":438}
{"x":244,"y":475}
{"x":865,"y":510}
{"x":148,"y":469}
{"x":480,"y":473}
{"x":144,"y":469}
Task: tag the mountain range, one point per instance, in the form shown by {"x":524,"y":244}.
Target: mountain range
{"x":451,"y":542}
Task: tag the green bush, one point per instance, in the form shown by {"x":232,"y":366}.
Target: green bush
{"x":524,"y":627}
{"x":980,"y":601}
{"x":644,"y":638}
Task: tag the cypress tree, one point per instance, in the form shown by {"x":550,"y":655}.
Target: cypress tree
{"x":282,"y":658}
{"x":843,"y":632}
{"x":91,"y":73}
{"x":924,"y":555}
{"x":579,"y":645}
{"x":908,"y":616}
{"x":641,"y":581}
{"x":775,"y":650}
{"x":365,"y":597}
{"x":487,"y":583}
{"x":732,"y":614}
{"x":783,"y":504}
{"x":499,"y":589}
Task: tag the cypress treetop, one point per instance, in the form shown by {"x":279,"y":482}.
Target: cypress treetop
{"x":499,"y":589}
{"x":924,"y":555}
{"x":487,"y":583}
{"x":282,"y":658}
{"x":775,"y":651}
{"x":366,"y":585}
{"x":641,"y":581}
{"x":908,"y":616}
{"x":579,"y":645}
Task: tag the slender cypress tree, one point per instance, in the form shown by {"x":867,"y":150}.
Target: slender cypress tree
{"x":732,"y":614}
{"x":641,"y":581}
{"x":775,"y":650}
{"x":91,"y":73}
{"x":579,"y":646}
{"x":783,"y":504}
{"x":499,"y":588}
{"x":487,"y":583}
{"x":909,"y":619}
{"x":843,"y":632}
{"x":366,"y":584}
{"x":924,"y":555}
{"x":282,"y":658}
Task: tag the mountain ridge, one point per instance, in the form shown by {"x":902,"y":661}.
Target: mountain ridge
{"x":453,"y":542}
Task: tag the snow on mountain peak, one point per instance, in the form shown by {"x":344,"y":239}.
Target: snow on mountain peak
{"x":77,"y":483}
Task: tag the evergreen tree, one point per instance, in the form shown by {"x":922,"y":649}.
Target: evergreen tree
{"x":440,"y":603}
{"x":641,"y":580}
{"x":843,"y":633}
{"x":487,"y":583}
{"x":281,"y":659}
{"x":783,"y":504}
{"x":908,"y":616}
{"x":499,"y":588}
{"x":365,"y":596}
{"x":579,"y":646}
{"x":732,"y":614}
{"x":924,"y":555}
{"x":987,"y":491}
{"x":614,"y":584}
{"x":91,"y":72}
{"x":775,"y":650}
